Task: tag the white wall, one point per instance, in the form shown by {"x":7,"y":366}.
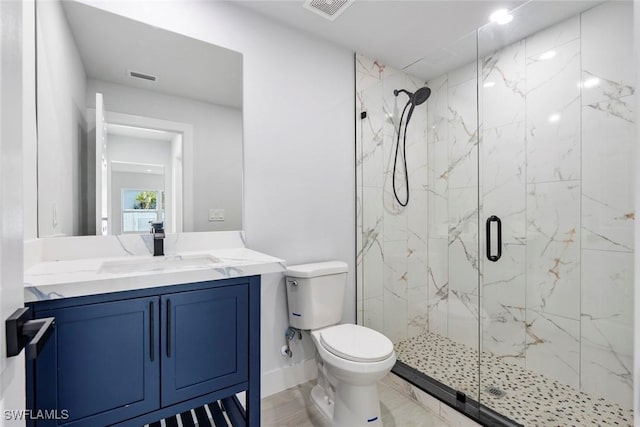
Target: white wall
{"x":298,"y":148}
{"x":217,"y":146}
{"x":30,"y":148}
{"x":61,"y":124}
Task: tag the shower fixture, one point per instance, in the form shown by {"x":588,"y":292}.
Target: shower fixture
{"x":416,"y":98}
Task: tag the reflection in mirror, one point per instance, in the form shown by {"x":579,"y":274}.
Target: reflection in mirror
{"x":143,"y":171}
{"x":135,"y":124}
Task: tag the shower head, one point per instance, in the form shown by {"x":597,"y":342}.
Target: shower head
{"x":416,"y":98}
{"x":421,"y":95}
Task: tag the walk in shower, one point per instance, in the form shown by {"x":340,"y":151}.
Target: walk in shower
{"x":526,"y":134}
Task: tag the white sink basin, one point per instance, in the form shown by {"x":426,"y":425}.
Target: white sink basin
{"x":159,"y":263}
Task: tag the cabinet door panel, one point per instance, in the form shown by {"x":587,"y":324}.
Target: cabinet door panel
{"x":103,"y":354}
{"x":205,"y":343}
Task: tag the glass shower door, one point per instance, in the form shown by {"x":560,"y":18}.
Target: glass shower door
{"x":503,"y":208}
{"x":509,"y":275}
{"x":556,"y":167}
{"x":418,"y":265}
{"x":453,"y":244}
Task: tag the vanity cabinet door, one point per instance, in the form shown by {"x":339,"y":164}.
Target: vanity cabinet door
{"x":103,"y":365}
{"x":205,"y":341}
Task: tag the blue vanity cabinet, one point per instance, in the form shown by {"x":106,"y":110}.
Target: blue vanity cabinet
{"x":102,"y":364}
{"x":206,"y":341}
{"x":132,"y":358}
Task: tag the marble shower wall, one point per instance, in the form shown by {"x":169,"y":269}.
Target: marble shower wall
{"x":556,"y":165}
{"x":607,"y":216}
{"x":392,"y":242}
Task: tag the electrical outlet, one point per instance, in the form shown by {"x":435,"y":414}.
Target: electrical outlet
{"x":216,"y":214}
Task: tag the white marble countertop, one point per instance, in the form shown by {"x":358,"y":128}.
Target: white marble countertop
{"x":67,"y":276}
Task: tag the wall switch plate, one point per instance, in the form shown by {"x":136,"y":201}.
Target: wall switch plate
{"x":216,"y":214}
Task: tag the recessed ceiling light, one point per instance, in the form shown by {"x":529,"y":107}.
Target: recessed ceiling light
{"x":555,"y":117}
{"x":148,"y":170}
{"x":591,"y":82}
{"x":501,"y":17}
{"x":547,"y":55}
{"x":489,"y":84}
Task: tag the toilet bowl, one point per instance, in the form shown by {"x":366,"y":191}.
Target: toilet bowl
{"x":351,"y":358}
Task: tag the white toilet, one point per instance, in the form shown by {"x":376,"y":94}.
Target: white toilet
{"x":351,"y":358}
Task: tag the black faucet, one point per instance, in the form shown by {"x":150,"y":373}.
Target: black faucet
{"x":157,"y":229}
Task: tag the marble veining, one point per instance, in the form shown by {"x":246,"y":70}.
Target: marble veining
{"x":553,"y":115}
{"x":148,"y":243}
{"x":463,"y":136}
{"x":393,"y":240}
{"x":551,"y":152}
{"x":504,"y":84}
{"x":71,"y":277}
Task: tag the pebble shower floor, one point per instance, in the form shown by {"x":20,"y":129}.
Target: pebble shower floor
{"x":531,"y":399}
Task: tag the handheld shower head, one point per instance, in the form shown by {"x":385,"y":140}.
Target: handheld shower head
{"x":421,"y":95}
{"x":416,"y":98}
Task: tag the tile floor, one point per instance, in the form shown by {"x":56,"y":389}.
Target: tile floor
{"x":293,"y":407}
{"x":531,"y":399}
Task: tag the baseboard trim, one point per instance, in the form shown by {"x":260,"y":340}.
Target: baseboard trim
{"x":275,"y":381}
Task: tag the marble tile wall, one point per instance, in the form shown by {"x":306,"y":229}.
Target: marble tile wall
{"x":392,"y":240}
{"x":607,"y":216}
{"x":553,"y":188}
{"x":557,"y":167}
{"x":555,"y":147}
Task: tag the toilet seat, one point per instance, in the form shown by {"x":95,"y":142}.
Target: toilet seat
{"x":356,"y":343}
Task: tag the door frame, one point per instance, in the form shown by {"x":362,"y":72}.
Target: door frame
{"x":17,"y":129}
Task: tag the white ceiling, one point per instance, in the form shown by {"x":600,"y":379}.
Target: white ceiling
{"x":110,"y":45}
{"x":427,"y":38}
{"x":434,"y":36}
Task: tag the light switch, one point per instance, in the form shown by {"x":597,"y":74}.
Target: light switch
{"x":216,"y":214}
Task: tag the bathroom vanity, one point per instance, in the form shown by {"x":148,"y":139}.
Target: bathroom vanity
{"x":133,"y":347}
{"x":139,"y":338}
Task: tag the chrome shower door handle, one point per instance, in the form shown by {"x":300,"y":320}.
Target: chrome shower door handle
{"x":496,"y":257}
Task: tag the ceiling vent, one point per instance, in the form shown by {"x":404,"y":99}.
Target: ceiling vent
{"x":328,"y":9}
{"x":141,"y":76}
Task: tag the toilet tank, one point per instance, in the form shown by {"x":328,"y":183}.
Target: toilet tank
{"x":315,"y":294}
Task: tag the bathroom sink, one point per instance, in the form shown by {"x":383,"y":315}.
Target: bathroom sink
{"x":170,"y":262}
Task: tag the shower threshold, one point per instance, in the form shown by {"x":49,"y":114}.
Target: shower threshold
{"x":459,"y":401}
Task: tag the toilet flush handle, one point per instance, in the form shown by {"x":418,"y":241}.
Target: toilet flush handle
{"x":293,"y":282}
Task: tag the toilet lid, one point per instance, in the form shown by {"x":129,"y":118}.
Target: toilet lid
{"x":357,"y":343}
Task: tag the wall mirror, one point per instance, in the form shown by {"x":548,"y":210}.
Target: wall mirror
{"x":135,"y":124}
